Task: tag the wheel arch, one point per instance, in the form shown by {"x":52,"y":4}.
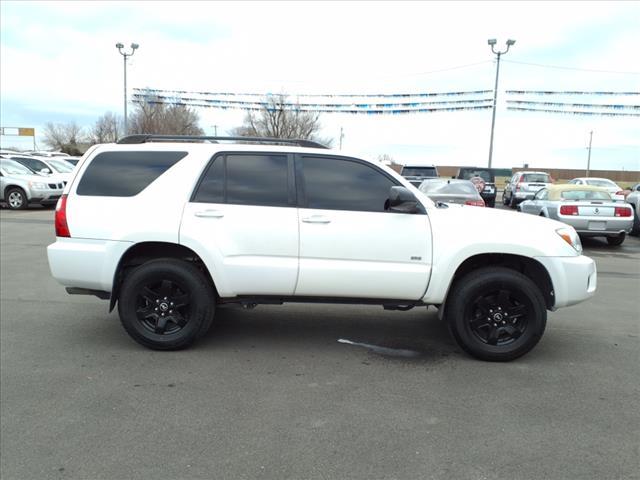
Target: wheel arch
{"x":528,"y":266}
{"x":143,"y":252}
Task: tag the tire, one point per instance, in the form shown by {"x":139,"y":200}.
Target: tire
{"x":16,"y":199}
{"x":147,"y":294}
{"x":480,"y":307}
{"x":505,"y":202}
{"x":636,"y":223}
{"x":616,"y":241}
{"x":491,"y":203}
{"x":513,"y":203}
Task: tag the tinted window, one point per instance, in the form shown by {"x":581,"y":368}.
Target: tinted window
{"x":336,"y":184}
{"x":257,"y":180}
{"x":32,"y":163}
{"x":14,"y":168}
{"x":419,"y":172}
{"x":535,"y":178}
{"x":467,"y":173}
{"x":211,"y":188}
{"x":125,"y":174}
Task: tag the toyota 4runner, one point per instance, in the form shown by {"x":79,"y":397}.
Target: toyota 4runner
{"x":171,"y":228}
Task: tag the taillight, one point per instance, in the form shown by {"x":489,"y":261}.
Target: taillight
{"x":518,"y":186}
{"x":622,"y":212}
{"x":475,"y":203}
{"x":568,"y":210}
{"x":62,"y":229}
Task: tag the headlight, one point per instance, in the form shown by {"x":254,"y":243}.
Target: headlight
{"x":570,"y":236}
{"x":38,"y":185}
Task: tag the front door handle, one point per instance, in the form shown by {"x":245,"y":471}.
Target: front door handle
{"x":316,"y":219}
{"x":210,"y":214}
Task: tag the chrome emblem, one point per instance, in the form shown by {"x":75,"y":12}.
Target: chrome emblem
{"x":164,"y":307}
{"x":597,"y":211}
{"x":498,"y":317}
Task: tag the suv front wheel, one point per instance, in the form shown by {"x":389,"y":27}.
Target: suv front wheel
{"x":496,"y":314}
{"x":166,"y":304}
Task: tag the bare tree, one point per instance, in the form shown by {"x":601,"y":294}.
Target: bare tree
{"x":156,"y":116}
{"x":63,"y":136}
{"x":107,"y":129}
{"x":279,"y":119}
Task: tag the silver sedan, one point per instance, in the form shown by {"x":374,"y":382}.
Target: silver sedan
{"x":590,"y":210}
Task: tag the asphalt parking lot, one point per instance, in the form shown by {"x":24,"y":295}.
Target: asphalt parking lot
{"x":272,"y":393}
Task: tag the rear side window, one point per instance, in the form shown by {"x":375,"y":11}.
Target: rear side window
{"x":585,"y":195}
{"x":125,"y":174}
{"x":336,"y":184}
{"x":246,"y":179}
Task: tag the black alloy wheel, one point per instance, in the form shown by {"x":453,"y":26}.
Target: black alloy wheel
{"x":496,"y":313}
{"x":166,"y":304}
{"x":617,"y":240}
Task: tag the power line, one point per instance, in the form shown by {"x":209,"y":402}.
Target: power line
{"x":560,"y":67}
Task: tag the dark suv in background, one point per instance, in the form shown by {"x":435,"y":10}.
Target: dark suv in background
{"x":417,"y":173}
{"x":488,"y":192}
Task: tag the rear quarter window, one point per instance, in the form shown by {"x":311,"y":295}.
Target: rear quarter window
{"x":125,"y":174}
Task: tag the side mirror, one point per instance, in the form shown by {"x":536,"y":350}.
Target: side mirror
{"x":45,"y":171}
{"x":402,"y":200}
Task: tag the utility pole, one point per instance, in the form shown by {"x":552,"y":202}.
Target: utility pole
{"x":125,"y":55}
{"x":589,"y":154}
{"x":492,"y":42}
{"x":341,"y":137}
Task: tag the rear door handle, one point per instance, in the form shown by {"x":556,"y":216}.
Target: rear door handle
{"x":210,"y":214}
{"x":316,"y":219}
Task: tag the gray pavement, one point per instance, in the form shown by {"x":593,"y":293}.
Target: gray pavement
{"x":271,"y":393}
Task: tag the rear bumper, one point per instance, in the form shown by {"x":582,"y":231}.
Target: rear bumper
{"x":574,"y":279}
{"x":598,"y":226}
{"x":85,"y":264}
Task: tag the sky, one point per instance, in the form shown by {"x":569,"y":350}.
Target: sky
{"x":58,"y":63}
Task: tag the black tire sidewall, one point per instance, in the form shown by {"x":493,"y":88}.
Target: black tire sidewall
{"x":202,"y":302}
{"x":616,"y":241}
{"x":470,"y":287}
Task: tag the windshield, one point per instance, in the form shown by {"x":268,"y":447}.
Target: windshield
{"x":61,"y":166}
{"x":13,"y":168}
{"x":419,"y":172}
{"x":601,"y":183}
{"x":461,"y":188}
{"x":585,"y":195}
{"x":466,"y":174}
{"x":535,"y":178}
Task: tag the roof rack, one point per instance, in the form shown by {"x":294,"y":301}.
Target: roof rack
{"x":146,"y":138}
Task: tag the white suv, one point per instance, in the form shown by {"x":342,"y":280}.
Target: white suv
{"x":169,"y":228}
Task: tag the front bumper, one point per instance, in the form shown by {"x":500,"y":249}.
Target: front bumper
{"x":45,"y":196}
{"x":574,"y":279}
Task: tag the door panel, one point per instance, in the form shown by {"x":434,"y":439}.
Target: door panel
{"x":364,"y":255}
{"x":253,"y":248}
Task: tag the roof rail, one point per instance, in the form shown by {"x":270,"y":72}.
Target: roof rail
{"x":146,"y":138}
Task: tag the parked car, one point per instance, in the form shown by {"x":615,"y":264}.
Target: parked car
{"x":417,"y":173}
{"x":169,"y":231}
{"x":452,"y":191}
{"x":633,"y":199}
{"x":590,"y":210}
{"x":46,"y":167}
{"x":617,"y":193}
{"x":47,"y":154}
{"x":485,"y":181}
{"x":523,"y":186}
{"x":19,"y":186}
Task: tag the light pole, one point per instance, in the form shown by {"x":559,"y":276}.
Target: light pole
{"x":125,"y":55}
{"x":589,"y":154}
{"x":492,"y":42}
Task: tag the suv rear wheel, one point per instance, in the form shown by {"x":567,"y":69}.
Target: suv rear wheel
{"x":496,"y":314}
{"x":166,"y":304}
